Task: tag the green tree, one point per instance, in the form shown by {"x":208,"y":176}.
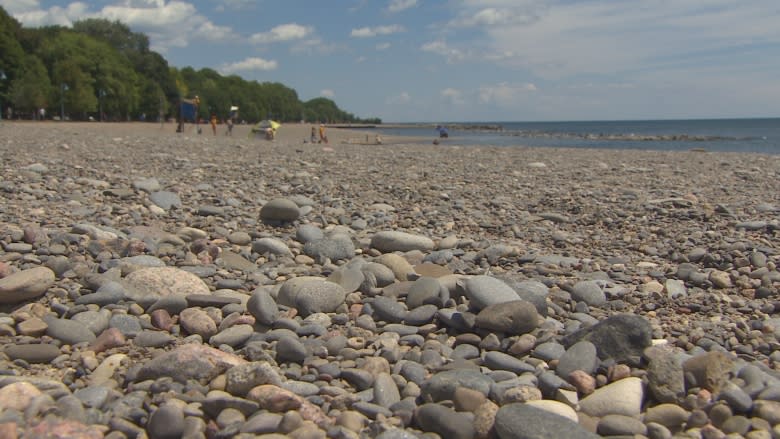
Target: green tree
{"x":31,"y":90}
{"x":11,"y":54}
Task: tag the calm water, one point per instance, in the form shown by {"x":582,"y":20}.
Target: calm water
{"x":736,"y":135}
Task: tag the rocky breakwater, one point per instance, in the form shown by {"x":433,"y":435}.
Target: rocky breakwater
{"x":216,"y":299}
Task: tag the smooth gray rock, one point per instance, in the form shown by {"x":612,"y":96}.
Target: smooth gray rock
{"x":262,"y":306}
{"x":25,"y":285}
{"x":483,"y":291}
{"x":68,"y":331}
{"x":108,"y":293}
{"x":166,"y":200}
{"x":32,"y":353}
{"x":307,"y":232}
{"x":280,"y":209}
{"x":388,"y":309}
{"x":444,"y":421}
{"x":234,"y":336}
{"x":500,"y":361}
{"x":290,"y":350}
{"x":516,"y":317}
{"x":167,"y":422}
{"x":523,"y":421}
{"x":590,"y":292}
{"x":385,"y":391}
{"x":442,"y":385}
{"x":128,"y":325}
{"x":392,"y":241}
{"x":425,"y":290}
{"x":335,"y":248}
{"x":153,"y":339}
{"x":580,"y":356}
{"x":271,"y":246}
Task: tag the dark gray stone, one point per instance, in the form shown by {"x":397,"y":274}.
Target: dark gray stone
{"x":32,"y":353}
{"x":444,"y":421}
{"x":442,"y":385}
{"x":581,"y":356}
{"x":619,"y":337}
{"x":522,"y":421}
{"x":516,"y":317}
{"x":290,"y":350}
{"x":335,"y":248}
{"x":68,"y":331}
{"x":388,"y":309}
{"x":167,"y":422}
{"x":263,"y":307}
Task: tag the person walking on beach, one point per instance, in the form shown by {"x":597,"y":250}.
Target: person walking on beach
{"x":323,"y":136}
{"x":313,"y":138}
{"x":229,"y":123}
{"x":214,"y":123}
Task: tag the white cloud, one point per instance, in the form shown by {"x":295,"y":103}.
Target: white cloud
{"x":163,"y":21}
{"x":367,"y":32}
{"x":382,"y":46}
{"x":253,"y":64}
{"x":452,"y":96}
{"x":504,"y":94}
{"x":440,"y":47}
{"x":556,"y":39}
{"x":401,"y":5}
{"x":281,"y":33}
{"x":236,"y":5}
{"x":327,"y":93}
{"x":399,"y":99}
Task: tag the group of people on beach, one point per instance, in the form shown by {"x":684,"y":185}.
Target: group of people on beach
{"x":323,"y":137}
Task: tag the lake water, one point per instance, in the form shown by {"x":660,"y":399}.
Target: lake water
{"x":736,"y":135}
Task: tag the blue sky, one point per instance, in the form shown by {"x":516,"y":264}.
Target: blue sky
{"x":473,"y":60}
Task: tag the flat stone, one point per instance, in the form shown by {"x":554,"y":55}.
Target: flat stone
{"x":25,"y":285}
{"x":515,"y":317}
{"x":622,"y":397}
{"x":68,"y":331}
{"x":483,"y":291}
{"x":444,"y":421}
{"x":523,"y":421}
{"x":190,"y":361}
{"x":32,"y":353}
{"x":163,"y":281}
{"x":391,"y":241}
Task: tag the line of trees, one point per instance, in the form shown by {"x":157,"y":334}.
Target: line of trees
{"x":102,"y":70}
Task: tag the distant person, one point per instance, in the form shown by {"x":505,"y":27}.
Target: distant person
{"x":9,"y":113}
{"x":229,"y":123}
{"x":214,"y":123}
{"x":42,"y":113}
{"x":323,"y":136}
{"x":313,"y":138}
{"x":442,"y":132}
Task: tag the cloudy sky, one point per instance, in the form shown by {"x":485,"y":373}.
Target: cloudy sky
{"x":473,"y":60}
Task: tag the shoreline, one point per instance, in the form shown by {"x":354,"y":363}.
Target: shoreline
{"x":205,"y":275}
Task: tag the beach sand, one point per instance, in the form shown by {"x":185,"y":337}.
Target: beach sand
{"x":434,"y":253}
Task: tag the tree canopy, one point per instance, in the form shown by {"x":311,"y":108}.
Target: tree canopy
{"x":100,"y":68}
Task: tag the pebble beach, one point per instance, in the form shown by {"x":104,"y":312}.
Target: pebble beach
{"x":167,"y":285}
